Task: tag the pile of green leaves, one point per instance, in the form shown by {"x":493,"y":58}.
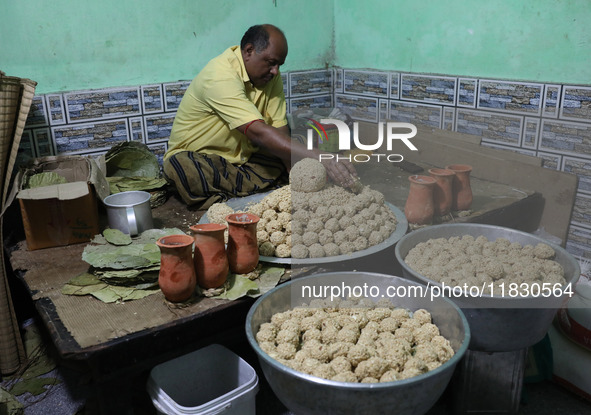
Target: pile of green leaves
{"x":121,"y":268}
{"x":131,"y":159}
{"x":132,"y":166}
{"x":123,"y":184}
{"x":44,"y":179}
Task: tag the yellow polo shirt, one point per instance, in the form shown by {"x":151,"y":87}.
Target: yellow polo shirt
{"x":219,"y":99}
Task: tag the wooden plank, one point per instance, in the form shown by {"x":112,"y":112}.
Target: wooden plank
{"x":472,"y":142}
{"x":440,"y":148}
{"x":558,"y":189}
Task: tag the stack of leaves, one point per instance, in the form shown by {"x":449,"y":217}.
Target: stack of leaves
{"x":121,"y":268}
{"x":124,"y":268}
{"x":44,"y":179}
{"x":123,"y":184}
{"x":132,"y":166}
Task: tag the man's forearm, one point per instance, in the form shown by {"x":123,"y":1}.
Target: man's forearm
{"x":278,"y":142}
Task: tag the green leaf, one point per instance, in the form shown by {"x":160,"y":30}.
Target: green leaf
{"x":40,"y":362}
{"x":121,"y":257}
{"x":9,"y":405}
{"x":238,"y":286}
{"x":69,"y":289}
{"x":129,"y":274}
{"x":116,"y":237}
{"x":147,"y":285}
{"x":83,"y":279}
{"x":130,"y":277}
{"x":152,"y":235}
{"x":124,"y":184}
{"x":35,"y":386}
{"x":267,"y":280}
{"x":129,"y":159}
{"x":45,"y":179}
{"x":112,"y":294}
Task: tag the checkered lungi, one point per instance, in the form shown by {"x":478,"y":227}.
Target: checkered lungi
{"x":204,"y":179}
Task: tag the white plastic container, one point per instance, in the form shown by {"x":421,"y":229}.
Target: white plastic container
{"x":211,"y":380}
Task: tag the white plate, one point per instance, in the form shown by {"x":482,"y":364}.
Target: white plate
{"x":241,"y":203}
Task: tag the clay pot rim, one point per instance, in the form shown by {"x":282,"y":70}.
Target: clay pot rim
{"x":181,"y":240}
{"x":459,"y":167}
{"x":250,"y":218}
{"x":208,"y":227}
{"x":437,"y":171}
{"x":421,"y":179}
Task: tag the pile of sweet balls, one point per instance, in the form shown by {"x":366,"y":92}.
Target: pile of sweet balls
{"x":310,"y":218}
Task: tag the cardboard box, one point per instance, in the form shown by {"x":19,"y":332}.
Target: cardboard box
{"x":61,"y":214}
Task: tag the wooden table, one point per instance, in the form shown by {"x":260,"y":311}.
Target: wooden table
{"x":119,"y":341}
{"x":116,"y":342}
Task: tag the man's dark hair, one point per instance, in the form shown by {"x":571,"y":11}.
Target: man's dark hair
{"x":257,"y":35}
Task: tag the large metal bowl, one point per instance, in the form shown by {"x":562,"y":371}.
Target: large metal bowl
{"x":497,"y":323}
{"x":310,"y":395}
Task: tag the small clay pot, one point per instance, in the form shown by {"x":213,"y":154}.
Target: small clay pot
{"x":177,"y":273}
{"x":243,"y":248}
{"x":462,"y":191}
{"x":419,"y":207}
{"x":443,"y":190}
{"x":211,"y":262}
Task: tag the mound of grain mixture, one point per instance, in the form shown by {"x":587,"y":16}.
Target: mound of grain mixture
{"x":334,"y":221}
{"x":479,"y":262}
{"x":355,"y":341}
{"x":308,"y":175}
{"x":313,"y":224}
{"x":217,"y":213}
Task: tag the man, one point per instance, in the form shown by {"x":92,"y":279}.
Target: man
{"x":230,"y":135}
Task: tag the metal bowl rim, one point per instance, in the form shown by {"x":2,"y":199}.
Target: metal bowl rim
{"x":484,"y":226}
{"x":351,"y":385}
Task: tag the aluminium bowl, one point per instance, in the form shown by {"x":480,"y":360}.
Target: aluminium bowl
{"x":306,"y":394}
{"x":497,"y":323}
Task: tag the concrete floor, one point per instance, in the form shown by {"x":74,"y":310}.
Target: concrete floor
{"x":74,"y":396}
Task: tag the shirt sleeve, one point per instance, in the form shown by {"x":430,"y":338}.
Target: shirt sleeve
{"x":225,"y":94}
{"x":276,"y":108}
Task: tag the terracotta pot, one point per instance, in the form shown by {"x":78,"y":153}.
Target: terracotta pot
{"x":419,"y":207}
{"x":462,"y":199}
{"x":211,"y":262}
{"x":177,"y":272}
{"x":443,"y":190}
{"x":243,"y":249}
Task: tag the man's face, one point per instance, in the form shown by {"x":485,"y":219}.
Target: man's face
{"x":263,"y":66}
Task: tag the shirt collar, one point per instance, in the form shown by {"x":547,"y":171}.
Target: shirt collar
{"x":238,"y":53}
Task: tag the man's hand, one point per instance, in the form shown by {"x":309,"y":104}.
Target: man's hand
{"x":341,"y":172}
{"x":278,"y":142}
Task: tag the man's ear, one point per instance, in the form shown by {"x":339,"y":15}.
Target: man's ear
{"x":248,"y":50}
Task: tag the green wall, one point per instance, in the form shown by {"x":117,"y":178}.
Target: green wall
{"x":535,"y":40}
{"x":68,"y":45}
